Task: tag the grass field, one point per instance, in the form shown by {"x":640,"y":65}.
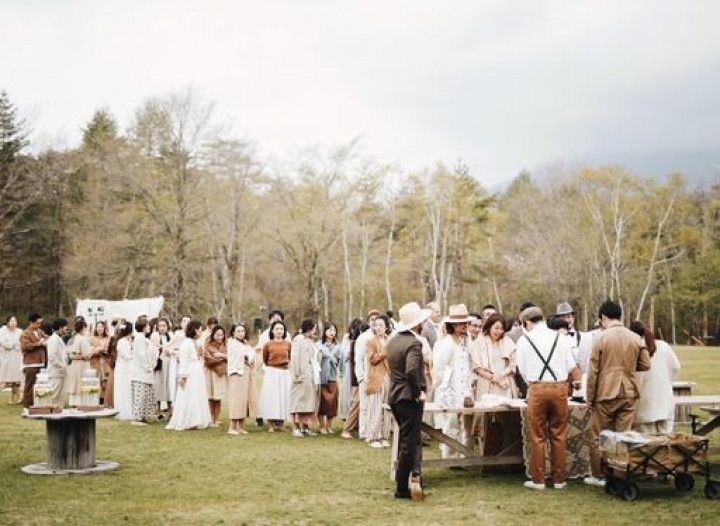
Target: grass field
{"x":211,"y":477}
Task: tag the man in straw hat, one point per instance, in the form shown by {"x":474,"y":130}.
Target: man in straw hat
{"x":452,"y":372}
{"x":406,"y":398}
{"x":545,"y":362}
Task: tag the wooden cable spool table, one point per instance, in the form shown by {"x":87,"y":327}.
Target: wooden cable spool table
{"x":70,"y":444}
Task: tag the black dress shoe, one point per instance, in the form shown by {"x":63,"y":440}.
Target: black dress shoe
{"x":399,"y":495}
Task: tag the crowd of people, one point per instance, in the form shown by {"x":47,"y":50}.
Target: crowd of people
{"x":150,"y":370}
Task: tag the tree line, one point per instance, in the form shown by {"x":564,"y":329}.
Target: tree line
{"x":175,"y":206}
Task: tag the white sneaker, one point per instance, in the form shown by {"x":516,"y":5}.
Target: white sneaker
{"x":376,"y":444}
{"x":592,"y":481}
{"x":560,"y":485}
{"x":531,"y":485}
{"x":297,"y":433}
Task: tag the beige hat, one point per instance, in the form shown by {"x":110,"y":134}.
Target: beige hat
{"x":411,"y":315}
{"x":457,"y":314}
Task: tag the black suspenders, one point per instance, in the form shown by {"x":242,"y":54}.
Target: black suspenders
{"x":546,"y":363}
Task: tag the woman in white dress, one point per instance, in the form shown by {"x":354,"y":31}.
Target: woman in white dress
{"x":655,"y":410}
{"x":11,"y":358}
{"x":79,"y":351}
{"x":240,"y":359}
{"x":191,"y":408}
{"x":123,"y":371}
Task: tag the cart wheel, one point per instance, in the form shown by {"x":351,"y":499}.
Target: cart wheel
{"x":613,"y":486}
{"x":684,"y":482}
{"x":630,"y":491}
{"x":712,"y":489}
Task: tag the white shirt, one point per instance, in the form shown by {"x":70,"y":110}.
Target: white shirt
{"x":360,"y":351}
{"x":238,"y":352}
{"x":529,"y":362}
{"x":144,"y":359}
{"x":452,"y":372}
{"x":57,"y":356}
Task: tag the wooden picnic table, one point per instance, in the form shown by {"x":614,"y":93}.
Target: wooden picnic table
{"x":473,"y":457}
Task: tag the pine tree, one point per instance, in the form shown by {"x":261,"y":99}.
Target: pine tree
{"x":13,"y":133}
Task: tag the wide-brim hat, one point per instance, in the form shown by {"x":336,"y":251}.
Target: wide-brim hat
{"x":411,"y":315}
{"x":563,"y":309}
{"x":457,"y":314}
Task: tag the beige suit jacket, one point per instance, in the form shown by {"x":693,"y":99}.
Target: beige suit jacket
{"x":616,"y":356}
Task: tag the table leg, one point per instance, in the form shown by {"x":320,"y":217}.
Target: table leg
{"x":395,"y":448}
{"x":70,"y":444}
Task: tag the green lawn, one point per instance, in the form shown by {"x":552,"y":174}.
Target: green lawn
{"x":211,"y":477}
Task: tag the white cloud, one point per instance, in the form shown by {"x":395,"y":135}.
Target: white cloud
{"x":502,"y":84}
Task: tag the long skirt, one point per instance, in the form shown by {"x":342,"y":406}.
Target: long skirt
{"x":345,"y":393}
{"x":275,"y":394}
{"x":216,"y":385}
{"x":191,"y":409}
{"x":109,"y":398}
{"x":143,"y":400}
{"x":122,"y":391}
{"x":10,"y":367}
{"x":329,"y":400}
{"x":238,"y":395}
{"x":378,"y":426}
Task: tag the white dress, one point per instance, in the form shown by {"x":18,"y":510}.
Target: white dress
{"x":655,"y":410}
{"x":191,"y":409}
{"x":123,"y":375}
{"x":10,"y":356}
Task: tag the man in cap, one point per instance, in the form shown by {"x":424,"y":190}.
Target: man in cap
{"x":360,"y":353}
{"x":406,"y":398}
{"x":612,"y":388}
{"x":452,"y":373}
{"x":545,"y":362}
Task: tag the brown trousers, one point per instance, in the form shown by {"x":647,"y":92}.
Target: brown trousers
{"x":547,"y":410}
{"x":615,"y":415}
{"x":29,"y":388}
{"x":353,"y":417}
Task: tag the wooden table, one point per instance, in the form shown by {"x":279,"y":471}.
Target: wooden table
{"x":709,"y":400}
{"x":682,"y":411}
{"x":70,"y":443}
{"x":472,"y":457}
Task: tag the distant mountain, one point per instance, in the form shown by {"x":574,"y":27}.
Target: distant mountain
{"x":700,"y":168}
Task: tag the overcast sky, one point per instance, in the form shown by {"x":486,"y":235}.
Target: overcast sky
{"x":502,"y":85}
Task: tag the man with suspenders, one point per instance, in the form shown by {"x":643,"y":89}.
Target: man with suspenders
{"x":545,"y":361}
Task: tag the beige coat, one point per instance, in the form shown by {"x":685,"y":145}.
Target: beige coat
{"x":305,"y":376}
{"x":616,"y":356}
{"x":481,"y":356}
{"x":376,"y":366}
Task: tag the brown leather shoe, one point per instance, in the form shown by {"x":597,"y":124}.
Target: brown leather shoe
{"x":416,"y":491}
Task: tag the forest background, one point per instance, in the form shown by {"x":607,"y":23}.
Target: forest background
{"x":175,"y":206}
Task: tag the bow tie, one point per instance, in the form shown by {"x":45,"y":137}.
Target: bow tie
{"x":571,"y":333}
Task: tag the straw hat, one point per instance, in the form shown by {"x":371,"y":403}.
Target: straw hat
{"x":411,"y":315}
{"x":457,"y":314}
